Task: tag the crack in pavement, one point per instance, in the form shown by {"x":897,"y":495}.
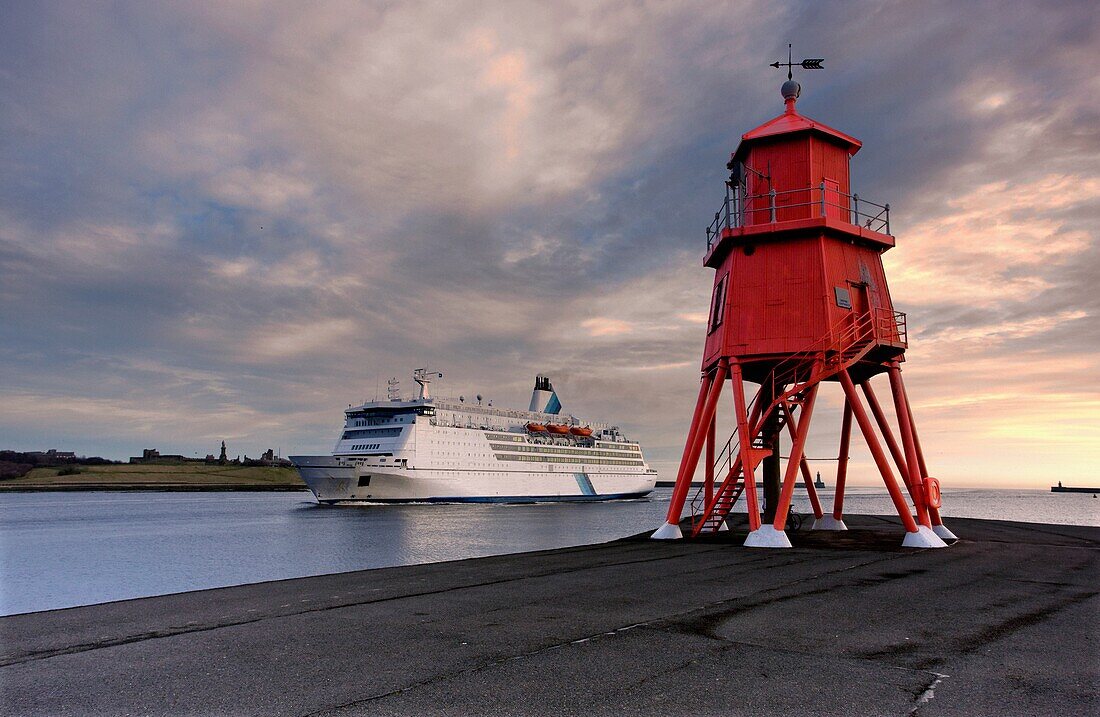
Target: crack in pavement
{"x":929,"y":692}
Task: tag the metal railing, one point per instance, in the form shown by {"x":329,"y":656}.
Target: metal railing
{"x":740,"y":209}
{"x":890,"y":327}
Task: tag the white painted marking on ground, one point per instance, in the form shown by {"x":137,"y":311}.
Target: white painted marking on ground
{"x":928,"y":694}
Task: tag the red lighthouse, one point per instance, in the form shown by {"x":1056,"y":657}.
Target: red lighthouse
{"x":800,"y":298}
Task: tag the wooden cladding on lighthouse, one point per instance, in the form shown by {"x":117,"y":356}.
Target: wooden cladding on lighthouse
{"x":806,"y":172}
{"x":778,"y":296}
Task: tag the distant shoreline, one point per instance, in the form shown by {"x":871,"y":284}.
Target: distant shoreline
{"x":151,"y":487}
{"x":699,"y":484}
{"x":161,"y":477}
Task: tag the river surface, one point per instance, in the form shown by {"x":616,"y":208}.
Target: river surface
{"x":61,"y":550}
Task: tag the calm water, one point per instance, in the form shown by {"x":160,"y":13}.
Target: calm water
{"x":65,"y":549}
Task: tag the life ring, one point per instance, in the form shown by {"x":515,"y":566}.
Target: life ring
{"x":932,"y":492}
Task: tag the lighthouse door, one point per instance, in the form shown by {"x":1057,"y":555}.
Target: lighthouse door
{"x":861,"y":304}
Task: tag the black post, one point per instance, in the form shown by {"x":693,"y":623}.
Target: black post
{"x":770,"y":464}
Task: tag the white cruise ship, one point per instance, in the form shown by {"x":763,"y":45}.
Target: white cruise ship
{"x":449,"y":451}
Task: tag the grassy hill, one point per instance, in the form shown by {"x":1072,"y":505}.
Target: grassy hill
{"x":184,"y":476}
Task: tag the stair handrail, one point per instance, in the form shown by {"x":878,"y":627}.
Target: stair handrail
{"x":841,"y":338}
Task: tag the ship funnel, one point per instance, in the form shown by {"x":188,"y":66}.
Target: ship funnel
{"x":543,"y":398}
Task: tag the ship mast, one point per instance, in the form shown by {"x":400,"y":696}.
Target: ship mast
{"x":424,"y":377}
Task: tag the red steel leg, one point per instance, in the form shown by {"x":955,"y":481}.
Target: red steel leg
{"x":704,"y":420}
{"x":795,"y":460}
{"x":735,"y":462}
{"x":903,"y":465}
{"x":933,"y":513}
{"x":876,"y":451}
{"x":887,"y":434}
{"x":708,"y":485}
{"x":679,"y":493}
{"x":916,"y":480}
{"x":842,"y":461}
{"x":753,"y":506}
{"x":811,"y":489}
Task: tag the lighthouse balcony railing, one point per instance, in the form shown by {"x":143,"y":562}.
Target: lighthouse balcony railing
{"x":740,"y":209}
{"x":890,"y":327}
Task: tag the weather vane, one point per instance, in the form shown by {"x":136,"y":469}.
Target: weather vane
{"x":813,"y":63}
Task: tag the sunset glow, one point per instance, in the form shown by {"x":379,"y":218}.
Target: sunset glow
{"x":219,"y":222}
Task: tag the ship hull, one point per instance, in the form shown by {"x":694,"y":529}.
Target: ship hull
{"x":333,"y":481}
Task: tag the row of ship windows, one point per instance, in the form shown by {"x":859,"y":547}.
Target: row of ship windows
{"x":624,"y":447}
{"x":559,"y":451}
{"x":550,"y":459}
{"x":516,"y":438}
{"x":372,"y":433}
{"x":366,"y":446}
{"x":378,"y":421}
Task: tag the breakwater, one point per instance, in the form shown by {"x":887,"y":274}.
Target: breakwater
{"x":1003,"y":622}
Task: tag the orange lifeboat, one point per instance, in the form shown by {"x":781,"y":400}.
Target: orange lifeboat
{"x":536,"y":428}
{"x":583,"y":431}
{"x":559,"y":430}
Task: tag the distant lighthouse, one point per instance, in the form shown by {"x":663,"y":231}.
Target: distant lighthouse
{"x":800,"y":298}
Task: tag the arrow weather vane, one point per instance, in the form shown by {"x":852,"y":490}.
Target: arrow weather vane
{"x":808,"y":64}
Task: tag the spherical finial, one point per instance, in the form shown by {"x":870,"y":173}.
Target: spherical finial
{"x":791,"y":90}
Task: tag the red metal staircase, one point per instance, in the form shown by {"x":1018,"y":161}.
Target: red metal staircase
{"x":845,"y":345}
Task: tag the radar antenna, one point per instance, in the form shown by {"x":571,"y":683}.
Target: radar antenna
{"x":393,"y":389}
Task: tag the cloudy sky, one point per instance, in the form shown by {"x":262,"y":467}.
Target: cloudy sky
{"x":230,"y":220}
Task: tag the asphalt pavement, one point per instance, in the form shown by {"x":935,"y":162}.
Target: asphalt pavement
{"x":1004,"y":622}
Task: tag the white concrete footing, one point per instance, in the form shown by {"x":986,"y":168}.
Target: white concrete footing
{"x":766,"y":536}
{"x":923,"y":538}
{"x":723,"y":527}
{"x":942,"y":531}
{"x":828,"y":522}
{"x":668,"y":531}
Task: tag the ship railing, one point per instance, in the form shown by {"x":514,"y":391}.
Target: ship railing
{"x":741,"y":209}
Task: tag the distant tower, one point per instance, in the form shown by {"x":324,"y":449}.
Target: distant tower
{"x":222,"y":458}
{"x":799,"y":298}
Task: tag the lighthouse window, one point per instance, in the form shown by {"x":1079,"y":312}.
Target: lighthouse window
{"x":717,"y":304}
{"x":843,"y":298}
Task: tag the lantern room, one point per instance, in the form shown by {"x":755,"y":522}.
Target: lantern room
{"x":795,"y":250}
